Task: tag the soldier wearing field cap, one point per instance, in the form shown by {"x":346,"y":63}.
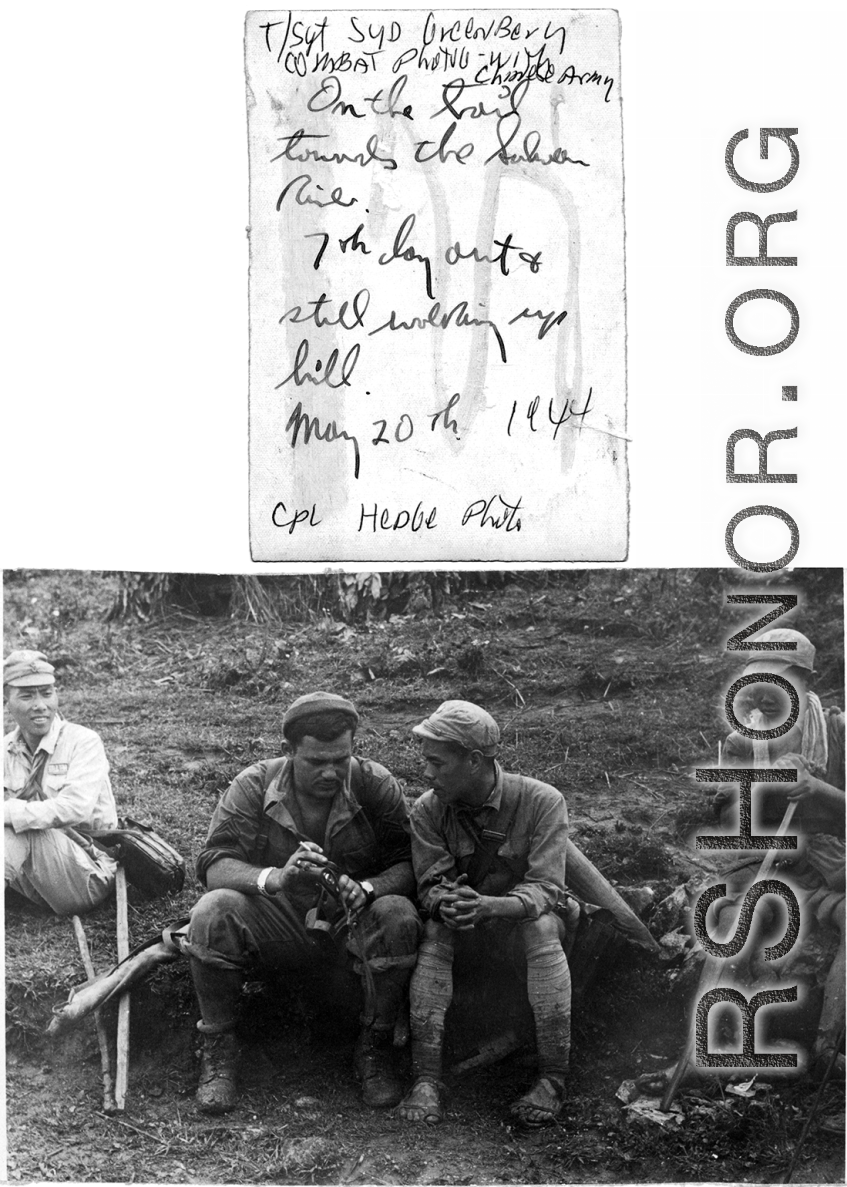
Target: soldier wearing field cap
{"x":489,"y":855}
{"x":55,"y":789}
{"x":281,"y":825}
{"x":814,"y":748}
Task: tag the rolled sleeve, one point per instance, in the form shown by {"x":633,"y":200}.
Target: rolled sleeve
{"x":72,"y":801}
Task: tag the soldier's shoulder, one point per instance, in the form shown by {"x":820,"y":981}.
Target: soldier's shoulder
{"x":373,"y":771}
{"x":537,"y":789}
{"x":72,"y":732}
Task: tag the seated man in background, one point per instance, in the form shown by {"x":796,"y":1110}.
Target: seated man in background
{"x":489,"y":855}
{"x":271,"y":841}
{"x":55,"y":788}
{"x":814,"y":746}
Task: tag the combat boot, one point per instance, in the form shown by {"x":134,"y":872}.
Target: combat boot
{"x":374,"y":1061}
{"x":217,"y":1092}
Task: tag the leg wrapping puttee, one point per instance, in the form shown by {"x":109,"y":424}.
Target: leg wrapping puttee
{"x":548,"y":982}
{"x":431,"y":995}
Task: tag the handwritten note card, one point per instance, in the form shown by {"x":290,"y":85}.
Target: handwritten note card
{"x":437,"y":331}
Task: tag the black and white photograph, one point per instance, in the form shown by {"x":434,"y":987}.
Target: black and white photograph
{"x":392,"y":878}
{"x":422,"y":568}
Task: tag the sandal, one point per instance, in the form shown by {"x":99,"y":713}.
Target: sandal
{"x":541,"y":1105}
{"x":424,"y":1102}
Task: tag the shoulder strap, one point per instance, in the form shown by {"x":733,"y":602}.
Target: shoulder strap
{"x":486,"y":843}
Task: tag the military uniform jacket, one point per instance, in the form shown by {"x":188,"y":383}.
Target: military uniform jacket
{"x":367,"y":831}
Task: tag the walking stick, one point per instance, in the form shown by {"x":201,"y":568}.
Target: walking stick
{"x":815,"y":1103}
{"x":122,"y":1054}
{"x":102,"y":1038}
{"x":712,"y":976}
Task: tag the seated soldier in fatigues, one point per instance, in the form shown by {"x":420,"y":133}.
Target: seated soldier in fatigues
{"x":489,"y":855}
{"x":55,"y":788}
{"x":274,"y":832}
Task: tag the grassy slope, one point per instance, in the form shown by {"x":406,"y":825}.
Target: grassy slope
{"x":606,"y":688}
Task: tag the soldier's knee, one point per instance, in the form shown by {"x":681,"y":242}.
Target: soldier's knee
{"x":435,"y":932}
{"x":543,"y":930}
{"x":214,"y":909}
{"x":398,"y":919}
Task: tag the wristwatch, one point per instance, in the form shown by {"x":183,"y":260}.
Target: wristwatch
{"x":370,"y":893}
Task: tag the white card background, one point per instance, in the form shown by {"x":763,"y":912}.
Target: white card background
{"x":388,"y":149}
{"x":125,"y":395}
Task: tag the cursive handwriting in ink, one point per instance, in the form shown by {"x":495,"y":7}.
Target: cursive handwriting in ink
{"x":311,"y":427}
{"x":531,"y":141}
{"x":302,"y":197}
{"x":570,"y":76}
{"x":451,"y":94}
{"x":414,"y":520}
{"x":352,"y":241}
{"x":364,"y":158}
{"x":390,"y":105}
{"x":399,"y":251}
{"x":300,"y":375}
{"x":569,"y":412}
{"x":301,"y":515}
{"x":345,"y":319}
{"x":548,"y":320}
{"x":328,"y":98}
{"x":458,"y":316}
{"x":488,"y":515}
{"x":442,"y":152}
{"x":443,"y":415}
{"x":454,"y":254}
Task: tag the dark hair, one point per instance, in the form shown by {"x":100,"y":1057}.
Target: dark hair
{"x":325,"y":726}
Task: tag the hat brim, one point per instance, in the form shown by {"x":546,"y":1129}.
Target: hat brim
{"x":775,"y":666}
{"x":424,"y":731}
{"x":31,"y":680}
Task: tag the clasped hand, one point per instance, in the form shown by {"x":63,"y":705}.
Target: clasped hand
{"x":462,"y":907}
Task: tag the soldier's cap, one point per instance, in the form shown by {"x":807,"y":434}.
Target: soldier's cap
{"x":778,"y":660}
{"x":27,"y":669}
{"x":462,"y":722}
{"x":319,"y":702}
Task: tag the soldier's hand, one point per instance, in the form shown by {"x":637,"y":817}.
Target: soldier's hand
{"x":805,"y":784}
{"x":459,"y":909}
{"x":353,"y":894}
{"x":303,"y":866}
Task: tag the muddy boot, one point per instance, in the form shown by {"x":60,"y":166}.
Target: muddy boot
{"x":374,"y":1058}
{"x":217,"y":1092}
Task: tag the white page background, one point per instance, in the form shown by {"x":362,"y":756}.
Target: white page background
{"x":125,"y":207}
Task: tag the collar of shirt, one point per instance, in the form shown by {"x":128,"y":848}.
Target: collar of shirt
{"x":494,"y":799}
{"x":48,"y":742}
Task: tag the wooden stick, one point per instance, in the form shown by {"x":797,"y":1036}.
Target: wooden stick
{"x":100,"y":1026}
{"x":122,"y":1056}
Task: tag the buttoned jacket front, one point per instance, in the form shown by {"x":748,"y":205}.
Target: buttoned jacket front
{"x":75,"y":784}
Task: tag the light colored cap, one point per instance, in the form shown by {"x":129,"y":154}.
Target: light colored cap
{"x":319,"y":702}
{"x":27,"y":669}
{"x":462,"y":722}
{"x":779,"y":659}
